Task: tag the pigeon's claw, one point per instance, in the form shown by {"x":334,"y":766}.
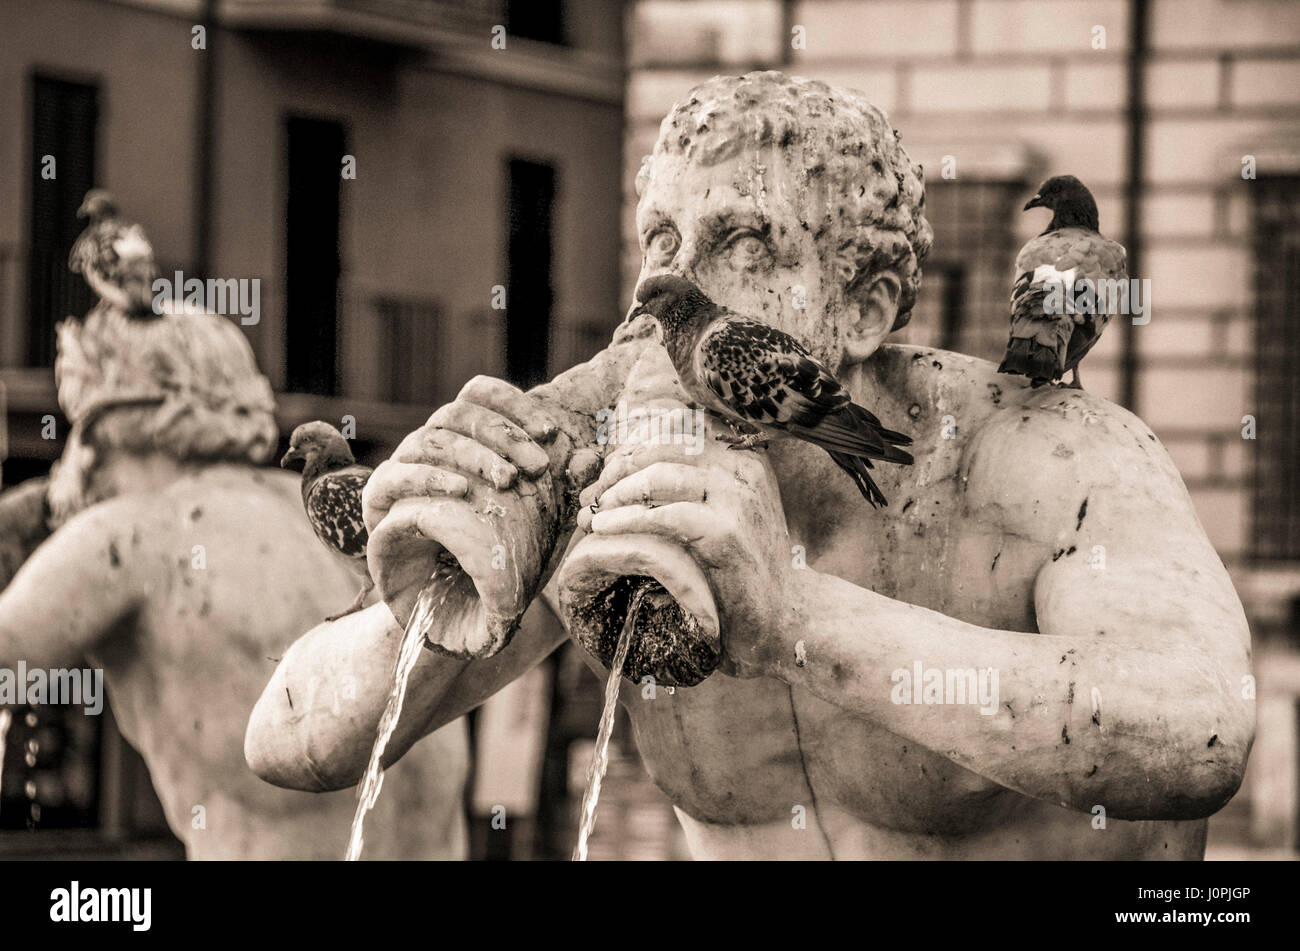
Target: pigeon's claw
{"x":745,"y":441}
{"x":743,"y":437}
{"x":356,"y":604}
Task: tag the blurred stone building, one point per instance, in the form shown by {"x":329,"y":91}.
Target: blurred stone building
{"x":478,"y":169}
{"x":1159,"y":106}
{"x":425,"y":190}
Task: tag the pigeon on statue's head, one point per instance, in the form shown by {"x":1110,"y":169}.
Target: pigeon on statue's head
{"x":114,"y":256}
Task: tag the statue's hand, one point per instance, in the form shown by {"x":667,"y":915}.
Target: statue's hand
{"x":484,"y":481}
{"x":724,"y":508}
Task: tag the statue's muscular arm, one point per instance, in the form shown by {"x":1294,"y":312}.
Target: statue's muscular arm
{"x":76,"y":587}
{"x":1129,"y":695}
{"x":298,"y":738}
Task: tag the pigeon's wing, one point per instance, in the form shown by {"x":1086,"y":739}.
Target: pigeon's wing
{"x":117,"y":260}
{"x":766,"y":378}
{"x":334,"y":510}
{"x":1045,"y":339}
{"x":1105,"y":263}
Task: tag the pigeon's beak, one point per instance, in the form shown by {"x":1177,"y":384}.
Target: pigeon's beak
{"x":293,"y":455}
{"x":1035,"y":202}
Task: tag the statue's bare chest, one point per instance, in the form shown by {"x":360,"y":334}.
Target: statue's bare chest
{"x":751,"y":750}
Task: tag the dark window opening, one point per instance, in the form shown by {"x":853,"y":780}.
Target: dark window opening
{"x":965,"y":293}
{"x":1276,"y":496}
{"x":541,"y":20}
{"x":413,"y":343}
{"x":64,"y":120}
{"x":312,"y":259}
{"x":528,"y":264}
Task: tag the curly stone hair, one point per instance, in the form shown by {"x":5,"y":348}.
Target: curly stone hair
{"x":868,"y":196}
{"x":185,"y":385}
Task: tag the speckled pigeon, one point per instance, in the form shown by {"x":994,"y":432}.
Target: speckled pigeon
{"x":332,"y":483}
{"x":114,"y":256}
{"x":1047,"y":339}
{"x":759,"y":378}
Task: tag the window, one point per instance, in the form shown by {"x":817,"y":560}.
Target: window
{"x":1277,"y":388}
{"x":64,"y":119}
{"x":531,"y":192}
{"x":966,"y":286}
{"x":413,"y":347}
{"x":312,"y":262}
{"x":541,"y":20}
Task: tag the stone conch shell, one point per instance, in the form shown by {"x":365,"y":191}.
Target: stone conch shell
{"x":676,"y":639}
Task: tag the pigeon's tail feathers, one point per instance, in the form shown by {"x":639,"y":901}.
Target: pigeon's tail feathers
{"x":854,"y":431}
{"x":891,"y":438}
{"x":857,"y":467}
{"x":1028,"y":357}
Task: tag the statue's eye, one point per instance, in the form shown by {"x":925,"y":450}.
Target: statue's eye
{"x":662,"y":246}
{"x":746,"y":250}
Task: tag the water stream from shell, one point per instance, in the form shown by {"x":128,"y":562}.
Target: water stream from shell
{"x":600,"y":758}
{"x":432,"y":597}
{"x":6,"y":717}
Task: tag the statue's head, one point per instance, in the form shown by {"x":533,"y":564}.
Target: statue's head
{"x":183,"y":386}
{"x":789,"y":201}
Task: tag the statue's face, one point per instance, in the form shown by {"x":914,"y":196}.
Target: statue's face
{"x":743,"y":231}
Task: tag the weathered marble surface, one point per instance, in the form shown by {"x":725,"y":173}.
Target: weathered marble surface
{"x":186,"y":571}
{"x":792,"y":202}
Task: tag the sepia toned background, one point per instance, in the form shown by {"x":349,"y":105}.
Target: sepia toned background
{"x":480,"y":168}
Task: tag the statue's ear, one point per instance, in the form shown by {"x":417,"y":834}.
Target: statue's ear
{"x":877,"y":300}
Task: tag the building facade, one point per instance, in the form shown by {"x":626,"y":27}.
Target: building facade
{"x":423,"y":190}
{"x":1183,"y":118}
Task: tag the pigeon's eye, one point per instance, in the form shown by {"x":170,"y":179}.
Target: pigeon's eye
{"x":662,"y":246}
{"x":746,"y":250}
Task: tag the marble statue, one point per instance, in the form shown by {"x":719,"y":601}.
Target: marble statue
{"x":1032,"y":652}
{"x":184,"y":570}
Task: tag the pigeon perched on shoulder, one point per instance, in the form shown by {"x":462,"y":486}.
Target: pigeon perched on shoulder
{"x":114,"y":256}
{"x":1048,"y":339}
{"x":332,"y":483}
{"x":760,"y":378}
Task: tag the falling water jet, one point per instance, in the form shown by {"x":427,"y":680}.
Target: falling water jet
{"x":447,"y":576}
{"x":6,"y":717}
{"x":600,"y":758}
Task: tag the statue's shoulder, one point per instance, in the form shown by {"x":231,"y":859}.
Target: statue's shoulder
{"x":981,"y":400}
{"x":225,"y":488}
{"x":258,"y":497}
{"x":939,"y":378}
{"x":1045,"y":443}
